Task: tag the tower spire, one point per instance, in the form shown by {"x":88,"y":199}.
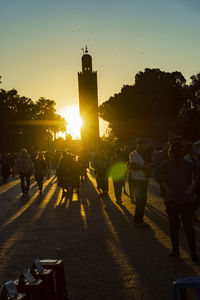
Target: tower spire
{"x":86,"y":49}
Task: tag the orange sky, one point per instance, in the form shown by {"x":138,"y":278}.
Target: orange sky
{"x":41,"y":43}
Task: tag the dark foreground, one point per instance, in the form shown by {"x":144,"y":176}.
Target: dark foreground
{"x":105,"y":256}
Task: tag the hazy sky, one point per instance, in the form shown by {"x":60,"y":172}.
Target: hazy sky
{"x":41,"y":41}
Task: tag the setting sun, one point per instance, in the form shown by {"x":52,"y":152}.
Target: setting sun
{"x":74,"y":122}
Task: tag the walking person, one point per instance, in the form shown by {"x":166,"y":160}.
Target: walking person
{"x":64,"y":172}
{"x":118,"y":172}
{"x":175,"y":176}
{"x":84,"y":164}
{"x":139,"y":180}
{"x":40,"y":167}
{"x":101,"y":171}
{"x":75,"y":175}
{"x":24,"y":165}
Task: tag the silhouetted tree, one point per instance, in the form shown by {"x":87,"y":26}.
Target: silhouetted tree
{"x":147,"y":108}
{"x":25,"y":123}
{"x":189,"y":115}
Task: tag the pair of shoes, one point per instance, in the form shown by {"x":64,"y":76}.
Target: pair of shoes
{"x":174,"y":253}
{"x":142,"y":225}
{"x":194,"y":257}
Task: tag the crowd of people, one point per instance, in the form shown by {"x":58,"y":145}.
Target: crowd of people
{"x":176,"y":168}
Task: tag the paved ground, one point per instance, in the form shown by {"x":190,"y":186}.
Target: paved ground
{"x":105,"y":256}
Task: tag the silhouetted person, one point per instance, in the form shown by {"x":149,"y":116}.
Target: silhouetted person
{"x":24,"y":165}
{"x":138,"y":170}
{"x":83,"y":163}
{"x":48,"y":158}
{"x":118,"y":170}
{"x":75,"y":175}
{"x":40,"y":170}
{"x":175,"y":177}
{"x":64,"y":172}
{"x":101,"y":171}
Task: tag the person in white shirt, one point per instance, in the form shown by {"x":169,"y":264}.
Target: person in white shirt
{"x":139,"y":177}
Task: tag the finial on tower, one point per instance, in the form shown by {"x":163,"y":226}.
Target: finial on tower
{"x":86,"y":49}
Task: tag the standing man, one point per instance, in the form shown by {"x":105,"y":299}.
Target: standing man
{"x":138,"y":173}
{"x":24,"y":165}
{"x":175,"y":176}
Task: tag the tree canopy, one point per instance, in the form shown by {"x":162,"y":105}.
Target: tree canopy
{"x":151,"y":106}
{"x":25,"y":123}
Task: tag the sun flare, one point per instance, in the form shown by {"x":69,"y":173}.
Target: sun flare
{"x":74,"y":122}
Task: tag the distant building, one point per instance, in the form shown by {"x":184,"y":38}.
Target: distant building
{"x":88,"y":102}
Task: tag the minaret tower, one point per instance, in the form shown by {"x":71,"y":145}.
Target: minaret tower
{"x":88,"y":102}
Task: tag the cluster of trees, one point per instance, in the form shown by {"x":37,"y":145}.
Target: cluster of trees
{"x":157,"y":103}
{"x":25,"y":123}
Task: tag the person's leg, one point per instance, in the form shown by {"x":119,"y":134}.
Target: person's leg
{"x":27,"y":176}
{"x":118,"y":190}
{"x":22,"y":178}
{"x":81,"y":176}
{"x":106,"y":185}
{"x":131,"y":188}
{"x":120,"y":186}
{"x":85,"y":176}
{"x":140,"y":190}
{"x":40,"y":182}
{"x":186,"y":212}
{"x":98,"y":182}
{"x":172,"y":211}
{"x":124,"y":185}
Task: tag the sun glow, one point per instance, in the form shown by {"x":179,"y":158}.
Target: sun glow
{"x":74,"y":122}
